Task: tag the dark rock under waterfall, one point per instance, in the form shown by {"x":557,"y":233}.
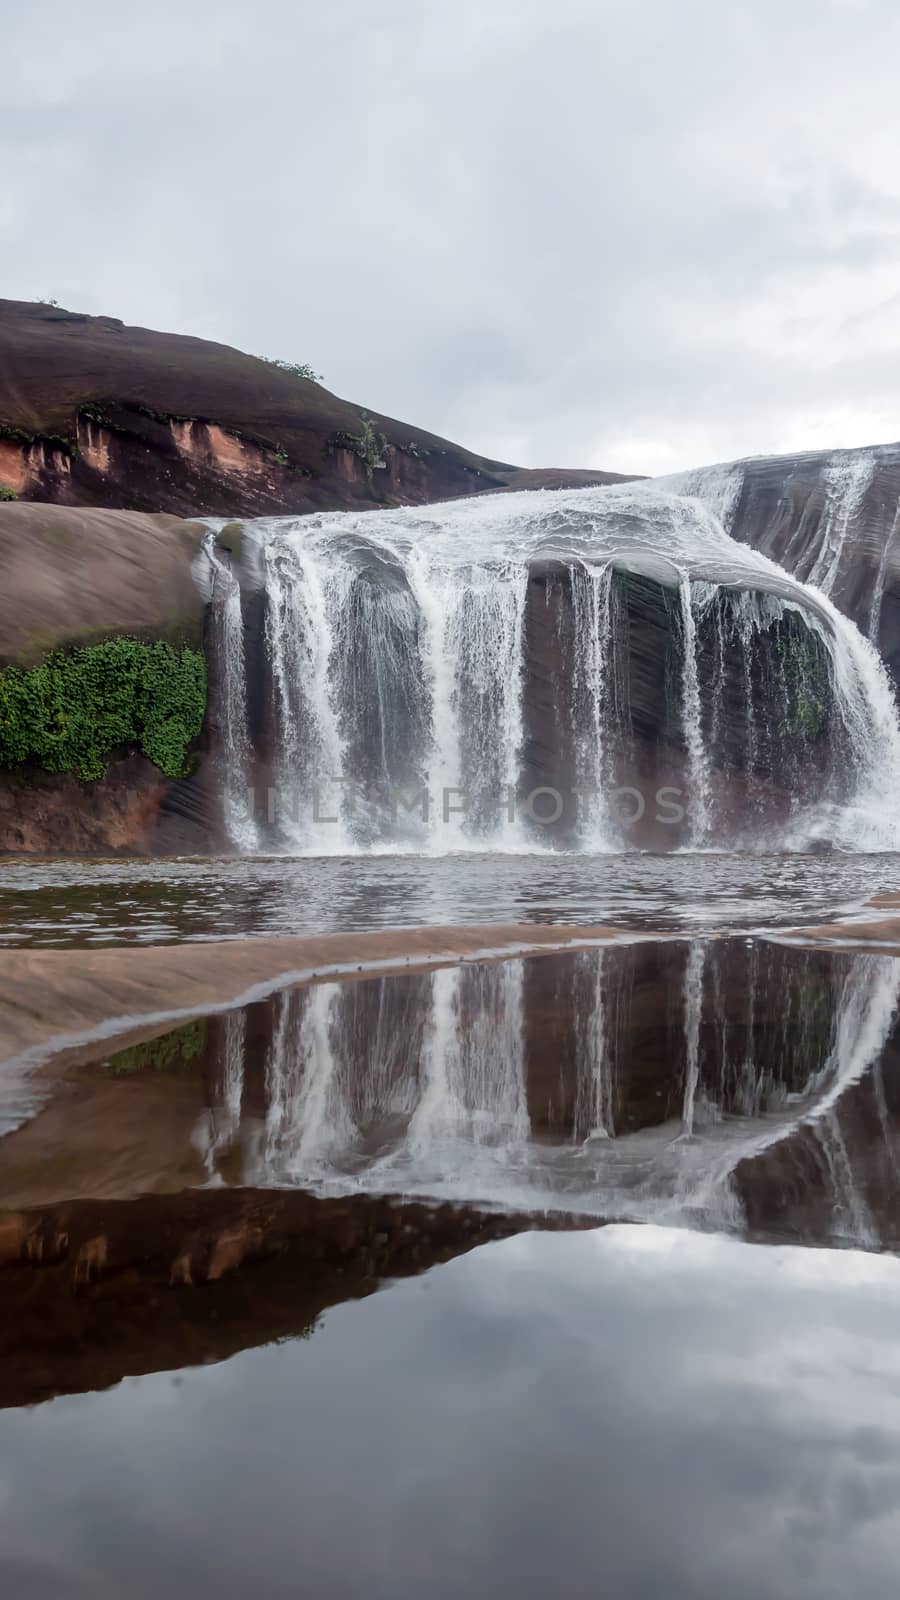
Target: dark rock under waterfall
{"x":786,"y":504}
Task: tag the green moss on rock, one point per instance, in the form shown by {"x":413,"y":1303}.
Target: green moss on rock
{"x":70,"y":713}
{"x":807,"y":688}
{"x":231,"y":538}
{"x":170,"y":1053}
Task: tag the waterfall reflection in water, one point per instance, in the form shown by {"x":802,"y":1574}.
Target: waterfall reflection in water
{"x":733,"y":1083}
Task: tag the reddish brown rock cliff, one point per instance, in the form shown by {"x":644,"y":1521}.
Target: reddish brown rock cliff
{"x":95,"y":413}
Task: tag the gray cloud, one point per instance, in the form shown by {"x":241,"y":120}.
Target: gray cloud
{"x":622,"y":234}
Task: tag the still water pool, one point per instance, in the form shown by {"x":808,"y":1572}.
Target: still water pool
{"x":632,"y":1412}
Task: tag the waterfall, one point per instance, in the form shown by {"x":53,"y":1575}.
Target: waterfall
{"x":868,"y":715}
{"x":593,"y":710}
{"x":472,"y":648}
{"x":880,"y":580}
{"x":235,"y":741}
{"x":691,"y":712}
{"x":847,"y":478}
{"x":305,"y":602}
{"x":719,"y":488}
{"x":399,"y":644}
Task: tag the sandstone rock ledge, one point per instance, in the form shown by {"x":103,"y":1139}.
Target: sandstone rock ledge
{"x":74,"y":577}
{"x":49,"y":999}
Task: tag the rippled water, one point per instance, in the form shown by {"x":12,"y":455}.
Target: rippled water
{"x":81,"y":902}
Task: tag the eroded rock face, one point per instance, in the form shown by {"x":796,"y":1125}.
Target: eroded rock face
{"x":832,"y":518}
{"x":133,"y":810}
{"x":757,"y":765}
{"x":95,"y":413}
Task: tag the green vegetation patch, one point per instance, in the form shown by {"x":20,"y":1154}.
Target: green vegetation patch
{"x":231,"y":538}
{"x":297,"y":369}
{"x":169,"y":1053}
{"x":807,"y":688}
{"x":370,"y":445}
{"x":69,"y":713}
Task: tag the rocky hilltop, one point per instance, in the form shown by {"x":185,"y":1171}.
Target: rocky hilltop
{"x":94,"y":413}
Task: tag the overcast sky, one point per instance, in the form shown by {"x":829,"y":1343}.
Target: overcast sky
{"x":638,"y":234}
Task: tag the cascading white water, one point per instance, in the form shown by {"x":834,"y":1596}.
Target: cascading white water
{"x":847,"y":477}
{"x":225,"y":597}
{"x":593,"y":710}
{"x":399,"y":644}
{"x":874,"y":629}
{"x":718,"y":488}
{"x":692,"y":712}
{"x":473,"y":655}
{"x":305,"y":600}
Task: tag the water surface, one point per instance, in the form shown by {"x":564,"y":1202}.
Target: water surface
{"x":629,"y":1412}
{"x":78,"y":902}
{"x":740,"y":1084}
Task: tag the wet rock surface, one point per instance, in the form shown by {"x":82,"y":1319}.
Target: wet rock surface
{"x":831,"y":518}
{"x":761,"y":757}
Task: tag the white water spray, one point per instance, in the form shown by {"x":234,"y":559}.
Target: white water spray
{"x":847,"y":478}
{"x":398,"y":645}
{"x":234,"y":755}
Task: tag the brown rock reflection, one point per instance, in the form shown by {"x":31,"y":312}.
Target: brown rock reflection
{"x":95,"y":1291}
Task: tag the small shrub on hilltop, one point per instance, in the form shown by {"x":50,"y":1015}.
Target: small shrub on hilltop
{"x":297,"y":369}
{"x":67,"y":714}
